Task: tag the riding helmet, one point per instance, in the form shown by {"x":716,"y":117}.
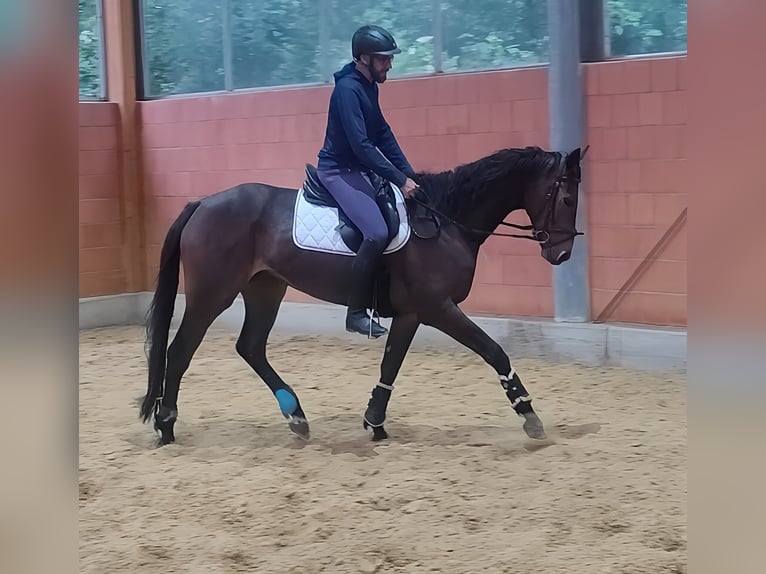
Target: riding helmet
{"x":373,"y":40}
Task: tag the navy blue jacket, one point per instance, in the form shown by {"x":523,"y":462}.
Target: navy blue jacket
{"x":356,"y":127}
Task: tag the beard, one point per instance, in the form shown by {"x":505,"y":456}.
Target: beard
{"x":379,"y":76}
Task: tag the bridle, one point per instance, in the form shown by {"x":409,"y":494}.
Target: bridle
{"x":541,"y":236}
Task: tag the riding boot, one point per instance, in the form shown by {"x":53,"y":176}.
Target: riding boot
{"x":362,"y":275}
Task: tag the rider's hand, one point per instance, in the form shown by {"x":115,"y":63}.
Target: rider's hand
{"x":409,"y":187}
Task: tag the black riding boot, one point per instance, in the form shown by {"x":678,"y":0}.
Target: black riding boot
{"x":362,"y":272}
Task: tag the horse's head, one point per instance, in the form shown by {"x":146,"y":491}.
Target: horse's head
{"x":551,"y":204}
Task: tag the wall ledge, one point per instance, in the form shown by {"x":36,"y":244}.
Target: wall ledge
{"x":646,"y":348}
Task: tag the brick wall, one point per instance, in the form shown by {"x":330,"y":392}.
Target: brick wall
{"x":637,"y":129}
{"x":102,"y":270}
{"x":636,"y":113}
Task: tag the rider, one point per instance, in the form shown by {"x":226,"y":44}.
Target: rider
{"x":359,"y":140}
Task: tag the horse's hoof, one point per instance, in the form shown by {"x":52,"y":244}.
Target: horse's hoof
{"x":533,"y":426}
{"x":378,"y":433}
{"x":165,"y":439}
{"x":164,"y":423}
{"x":300,"y":427}
{"x":164,"y":436}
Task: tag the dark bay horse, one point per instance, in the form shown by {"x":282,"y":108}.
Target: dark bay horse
{"x":240,"y":241}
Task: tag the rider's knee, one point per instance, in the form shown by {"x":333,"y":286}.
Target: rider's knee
{"x":373,"y":245}
{"x":378,"y":239}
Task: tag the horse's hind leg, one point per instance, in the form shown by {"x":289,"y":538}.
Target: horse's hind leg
{"x":262,"y":297}
{"x":199,"y":314}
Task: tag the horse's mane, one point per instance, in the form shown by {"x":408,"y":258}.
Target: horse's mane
{"x":452,"y":190}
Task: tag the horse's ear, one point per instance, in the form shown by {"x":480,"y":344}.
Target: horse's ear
{"x":573,"y":157}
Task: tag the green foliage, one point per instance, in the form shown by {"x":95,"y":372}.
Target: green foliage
{"x":502,"y":34}
{"x":183,"y":46}
{"x":90,"y":50}
{"x":274,"y":43}
{"x":278,"y":42}
{"x":646,"y":26}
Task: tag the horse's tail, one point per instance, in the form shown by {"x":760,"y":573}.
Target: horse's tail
{"x":161,"y":309}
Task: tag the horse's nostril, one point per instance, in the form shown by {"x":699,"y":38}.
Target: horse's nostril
{"x":563,"y":256}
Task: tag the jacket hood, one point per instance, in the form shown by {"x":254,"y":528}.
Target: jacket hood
{"x":347,"y":70}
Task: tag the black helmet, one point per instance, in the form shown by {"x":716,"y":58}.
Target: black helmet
{"x":373,"y":40}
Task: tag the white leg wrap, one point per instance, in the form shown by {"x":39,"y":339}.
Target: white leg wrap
{"x":519,"y":401}
{"x":506,"y":382}
{"x":509,"y":376}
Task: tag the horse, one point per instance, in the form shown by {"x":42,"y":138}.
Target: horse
{"x":244,"y":240}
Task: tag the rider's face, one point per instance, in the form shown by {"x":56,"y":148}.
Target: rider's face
{"x":380,"y":65}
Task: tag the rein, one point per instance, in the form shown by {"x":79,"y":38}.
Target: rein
{"x":539,"y":235}
{"x":475,"y":231}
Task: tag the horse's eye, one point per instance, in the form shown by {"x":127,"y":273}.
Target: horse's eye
{"x":568,"y":201}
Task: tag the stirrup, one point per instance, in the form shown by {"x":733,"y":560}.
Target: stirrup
{"x":373,"y":321}
{"x":374,"y":317}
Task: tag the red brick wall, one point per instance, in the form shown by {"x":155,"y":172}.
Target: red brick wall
{"x":195,"y":146}
{"x":102,"y":269}
{"x":637,"y":118}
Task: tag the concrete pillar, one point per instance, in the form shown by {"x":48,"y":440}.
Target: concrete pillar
{"x":571,"y":290}
{"x":120,"y":50}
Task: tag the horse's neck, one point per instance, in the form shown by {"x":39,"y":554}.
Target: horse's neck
{"x":487,"y":215}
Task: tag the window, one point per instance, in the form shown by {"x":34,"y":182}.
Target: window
{"x":274,"y":42}
{"x":493,"y":34}
{"x":193,"y":46}
{"x":638,"y":27}
{"x":92,"y":81}
{"x":182,"y":46}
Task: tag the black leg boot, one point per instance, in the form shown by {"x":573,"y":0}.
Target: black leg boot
{"x":363,"y":270}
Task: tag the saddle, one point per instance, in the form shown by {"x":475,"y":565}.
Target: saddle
{"x":317,"y":194}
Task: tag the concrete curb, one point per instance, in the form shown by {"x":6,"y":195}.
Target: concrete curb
{"x":629,"y":346}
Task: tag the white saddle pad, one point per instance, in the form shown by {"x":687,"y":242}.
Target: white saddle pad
{"x":316,"y":227}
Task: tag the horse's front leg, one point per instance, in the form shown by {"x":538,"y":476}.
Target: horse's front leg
{"x":403,"y":329}
{"x":453,"y":322}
